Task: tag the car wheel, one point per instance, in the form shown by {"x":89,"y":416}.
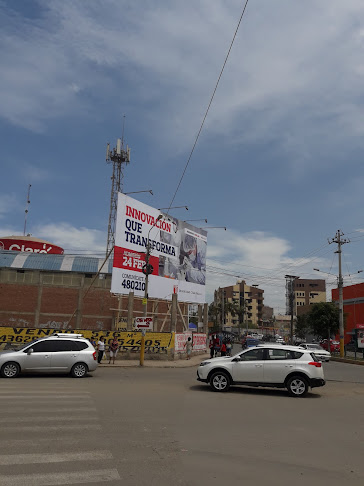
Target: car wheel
{"x":79,"y":370}
{"x":10,"y":370}
{"x":220,"y":381}
{"x":297,"y":386}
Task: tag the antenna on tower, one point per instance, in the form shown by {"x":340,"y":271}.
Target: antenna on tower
{"x":26,"y":209}
{"x":119,"y":158}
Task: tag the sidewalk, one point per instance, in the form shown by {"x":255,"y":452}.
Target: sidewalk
{"x":134,"y":363}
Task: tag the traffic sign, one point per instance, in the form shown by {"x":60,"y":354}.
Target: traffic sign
{"x":144,"y":323}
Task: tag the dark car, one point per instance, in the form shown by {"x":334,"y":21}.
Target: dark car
{"x":248,"y":342}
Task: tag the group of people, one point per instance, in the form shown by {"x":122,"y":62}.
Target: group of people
{"x":219,"y":347}
{"x":100,"y":346}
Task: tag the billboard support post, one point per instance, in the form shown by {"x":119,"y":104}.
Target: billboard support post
{"x":174,"y":313}
{"x":205,"y":317}
{"x":129,"y":325}
{"x":147,"y":270}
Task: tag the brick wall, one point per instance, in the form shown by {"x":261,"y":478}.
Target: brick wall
{"x":32,"y":298}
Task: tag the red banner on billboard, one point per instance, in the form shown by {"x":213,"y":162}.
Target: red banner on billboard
{"x":133,"y":260}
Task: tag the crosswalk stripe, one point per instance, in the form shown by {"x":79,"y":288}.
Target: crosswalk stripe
{"x":48,"y":410}
{"x":43,"y":392}
{"x":48,"y":419}
{"x":18,"y":459}
{"x":49,"y":397}
{"x":54,"y":479}
{"x":49,"y":428}
{"x":36,"y":443}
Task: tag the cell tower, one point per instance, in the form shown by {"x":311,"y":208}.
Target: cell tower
{"x":119,"y":157}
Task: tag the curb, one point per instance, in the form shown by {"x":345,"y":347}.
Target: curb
{"x":156,"y":364}
{"x":348,"y":361}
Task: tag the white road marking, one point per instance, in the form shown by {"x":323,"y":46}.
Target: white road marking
{"x":48,"y":419}
{"x":18,"y":459}
{"x":48,"y":410}
{"x":48,"y":397}
{"x":49,"y":428}
{"x":54,"y":479}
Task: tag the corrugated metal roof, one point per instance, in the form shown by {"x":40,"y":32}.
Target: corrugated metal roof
{"x":63,"y":263}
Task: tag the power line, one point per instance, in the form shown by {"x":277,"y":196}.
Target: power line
{"x":209,"y":105}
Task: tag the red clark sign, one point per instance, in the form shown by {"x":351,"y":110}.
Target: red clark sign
{"x":32,"y":246}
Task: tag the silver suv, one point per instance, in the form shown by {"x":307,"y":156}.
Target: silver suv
{"x":272,"y":365}
{"x":59,"y":353}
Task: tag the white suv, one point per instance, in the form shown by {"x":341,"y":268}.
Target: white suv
{"x":271,"y":365}
{"x":58,"y":353}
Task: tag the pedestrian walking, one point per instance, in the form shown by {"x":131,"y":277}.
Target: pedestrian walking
{"x":188,"y":346}
{"x":101,"y":349}
{"x":216,"y":345}
{"x":113,"y":350}
{"x":93,"y":342}
{"x":223,"y":349}
{"x":211,"y":346}
{"x":228,"y":348}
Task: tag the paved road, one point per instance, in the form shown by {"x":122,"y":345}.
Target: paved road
{"x":131,"y":426}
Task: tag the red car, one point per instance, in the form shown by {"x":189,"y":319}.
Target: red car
{"x":334,"y":346}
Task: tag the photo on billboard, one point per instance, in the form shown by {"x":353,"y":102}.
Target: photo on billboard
{"x":177,"y":253}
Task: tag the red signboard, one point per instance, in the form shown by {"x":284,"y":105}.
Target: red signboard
{"x":133,"y":260}
{"x":32,"y":246}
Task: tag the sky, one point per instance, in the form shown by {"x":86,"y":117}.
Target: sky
{"x":279,"y":159}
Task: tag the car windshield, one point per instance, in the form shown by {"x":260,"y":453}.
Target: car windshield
{"x":23,"y":346}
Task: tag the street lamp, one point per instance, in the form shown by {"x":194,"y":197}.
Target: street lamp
{"x":188,"y":220}
{"x":147,"y":270}
{"x":174,"y":207}
{"x":137,"y":192}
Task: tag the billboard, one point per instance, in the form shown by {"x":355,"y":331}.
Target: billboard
{"x":177,"y":254}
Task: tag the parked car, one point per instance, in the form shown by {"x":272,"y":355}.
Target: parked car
{"x":249,"y":341}
{"x":334,"y":345}
{"x":272,"y":365}
{"x":318,"y":350}
{"x":59,"y":353}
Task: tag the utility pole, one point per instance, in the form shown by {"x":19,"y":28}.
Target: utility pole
{"x":290,"y":298}
{"x":222,"y":309}
{"x":339,"y":241}
{"x":147,"y":270}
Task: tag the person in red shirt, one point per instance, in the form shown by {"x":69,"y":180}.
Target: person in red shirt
{"x":223,"y":349}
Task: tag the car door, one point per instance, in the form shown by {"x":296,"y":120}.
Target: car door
{"x":279,"y":362}
{"x":248,"y":366}
{"x":38,"y":357}
{"x":65,"y":354}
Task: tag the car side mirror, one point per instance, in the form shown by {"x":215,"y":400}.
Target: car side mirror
{"x":30,"y":351}
{"x":235,"y":360}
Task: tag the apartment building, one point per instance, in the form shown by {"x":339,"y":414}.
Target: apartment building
{"x":306,"y":292}
{"x":243,"y":296}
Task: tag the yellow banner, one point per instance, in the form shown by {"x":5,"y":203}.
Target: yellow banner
{"x":128,"y":340}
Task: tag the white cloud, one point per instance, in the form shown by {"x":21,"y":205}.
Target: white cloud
{"x":258,"y":258}
{"x":33,"y":174}
{"x":71,"y":238}
{"x":8,"y":204}
{"x":292,"y":67}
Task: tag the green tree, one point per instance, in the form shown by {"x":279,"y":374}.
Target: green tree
{"x":214,"y":314}
{"x":302,"y":326}
{"x":323,"y":319}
